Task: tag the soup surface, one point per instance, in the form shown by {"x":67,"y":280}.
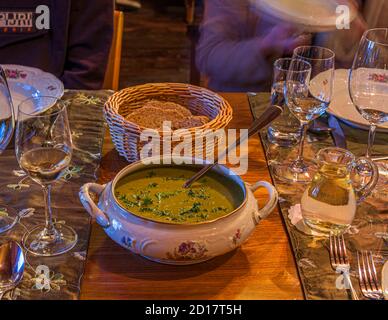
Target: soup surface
{"x":158,"y":194}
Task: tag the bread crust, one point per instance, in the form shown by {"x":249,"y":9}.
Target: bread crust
{"x":154,"y":112}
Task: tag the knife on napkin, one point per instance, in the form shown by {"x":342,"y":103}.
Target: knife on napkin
{"x":337,"y":133}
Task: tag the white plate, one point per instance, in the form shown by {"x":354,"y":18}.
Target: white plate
{"x":315,"y":15}
{"x":342,"y":106}
{"x":384,"y":281}
{"x":26,"y":82}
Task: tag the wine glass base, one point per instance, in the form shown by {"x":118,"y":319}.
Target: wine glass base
{"x":38,"y":243}
{"x":287,"y":173}
{"x":8,"y":218}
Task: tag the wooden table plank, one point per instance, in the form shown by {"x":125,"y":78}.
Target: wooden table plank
{"x":263,"y":268}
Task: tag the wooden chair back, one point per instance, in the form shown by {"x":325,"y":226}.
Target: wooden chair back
{"x":112,"y":74}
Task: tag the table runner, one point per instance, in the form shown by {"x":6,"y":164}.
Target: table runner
{"x":369,"y":230}
{"x":57,"y":277}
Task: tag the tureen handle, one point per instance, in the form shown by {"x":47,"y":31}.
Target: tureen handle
{"x":271,"y":203}
{"x":84,"y":195}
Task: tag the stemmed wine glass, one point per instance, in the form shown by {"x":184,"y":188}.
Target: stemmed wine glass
{"x":308,"y":95}
{"x":43,"y":150}
{"x":8,"y":216}
{"x":368,"y":80}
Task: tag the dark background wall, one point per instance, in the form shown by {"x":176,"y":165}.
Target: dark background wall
{"x":155,"y":45}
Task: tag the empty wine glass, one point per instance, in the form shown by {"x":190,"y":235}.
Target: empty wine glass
{"x":285,"y":130}
{"x":44,"y":149}
{"x":296,"y":85}
{"x":368,"y":80}
{"x":308,"y":93}
{"x":8,"y":216}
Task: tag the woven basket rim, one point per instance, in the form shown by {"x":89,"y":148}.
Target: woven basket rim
{"x":111,"y":106}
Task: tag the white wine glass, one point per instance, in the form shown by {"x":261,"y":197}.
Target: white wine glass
{"x":8,"y":216}
{"x":368,"y":80}
{"x":44,"y":149}
{"x":308,"y":100}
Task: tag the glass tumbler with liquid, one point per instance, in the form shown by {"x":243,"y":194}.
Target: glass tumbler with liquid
{"x":329,"y":203}
{"x":285,"y":131}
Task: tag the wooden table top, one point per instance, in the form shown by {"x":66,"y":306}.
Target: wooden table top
{"x":263,"y":268}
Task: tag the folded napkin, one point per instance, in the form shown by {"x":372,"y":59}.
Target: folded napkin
{"x":296,"y":218}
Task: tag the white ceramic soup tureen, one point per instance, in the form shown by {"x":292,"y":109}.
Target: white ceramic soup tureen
{"x":176,"y":243}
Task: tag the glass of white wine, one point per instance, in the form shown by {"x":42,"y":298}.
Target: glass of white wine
{"x":8,"y":216}
{"x":44,"y":149}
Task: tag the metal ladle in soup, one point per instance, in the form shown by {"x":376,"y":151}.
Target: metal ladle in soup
{"x":158,"y":194}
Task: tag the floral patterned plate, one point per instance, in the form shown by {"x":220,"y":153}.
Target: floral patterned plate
{"x":25,"y":82}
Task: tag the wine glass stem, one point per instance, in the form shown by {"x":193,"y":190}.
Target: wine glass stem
{"x":371,"y":139}
{"x":50,"y":229}
{"x":304,"y":128}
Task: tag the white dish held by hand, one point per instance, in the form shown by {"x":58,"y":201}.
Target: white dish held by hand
{"x":311,"y":15}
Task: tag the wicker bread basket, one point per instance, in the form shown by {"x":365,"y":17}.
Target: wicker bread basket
{"x":200,"y":101}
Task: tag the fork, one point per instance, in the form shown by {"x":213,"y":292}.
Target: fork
{"x":339,"y":260}
{"x":369,"y":283}
{"x":380,"y":158}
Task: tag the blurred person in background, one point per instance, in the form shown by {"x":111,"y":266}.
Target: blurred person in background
{"x":237,"y":46}
{"x":75,"y":47}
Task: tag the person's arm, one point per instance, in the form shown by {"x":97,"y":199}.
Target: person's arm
{"x":89,"y":42}
{"x":230,"y":51}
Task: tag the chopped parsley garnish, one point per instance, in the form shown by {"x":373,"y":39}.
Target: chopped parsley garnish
{"x":201,"y":194}
{"x":194,"y":209}
{"x":147,"y":201}
{"x":151,"y":174}
{"x":182,"y":177}
{"x":128,"y":203}
{"x":166,"y":195}
{"x":159,"y":194}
